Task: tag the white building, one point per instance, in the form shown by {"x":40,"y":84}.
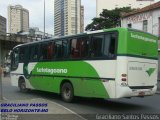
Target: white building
{"x":67,"y":17}
{"x":146,"y":19}
{"x":112,"y":4}
{"x":18,"y":19}
{"x":36,"y":34}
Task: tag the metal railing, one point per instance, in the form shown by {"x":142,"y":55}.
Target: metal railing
{"x":20,"y":38}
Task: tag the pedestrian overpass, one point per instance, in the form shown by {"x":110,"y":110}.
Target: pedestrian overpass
{"x":8,"y":41}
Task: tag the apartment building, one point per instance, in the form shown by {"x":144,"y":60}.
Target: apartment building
{"x":2,"y":25}
{"x":67,"y":17}
{"x":18,"y":19}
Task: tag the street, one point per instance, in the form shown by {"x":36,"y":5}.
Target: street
{"x":82,"y":108}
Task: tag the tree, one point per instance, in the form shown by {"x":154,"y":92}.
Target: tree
{"x":108,"y":19}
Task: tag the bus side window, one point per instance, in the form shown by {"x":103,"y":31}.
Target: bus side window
{"x":50,"y":50}
{"x":21,"y":54}
{"x":65,"y":48}
{"x":34,"y":52}
{"x":110,"y":46}
{"x":43,"y":51}
{"x":58,"y":50}
{"x":54,"y":49}
{"x":84,"y":47}
{"x":96,"y":49}
{"x":79,"y":47}
{"x":74,"y":49}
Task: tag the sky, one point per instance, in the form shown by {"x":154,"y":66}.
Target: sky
{"x":36,"y":8}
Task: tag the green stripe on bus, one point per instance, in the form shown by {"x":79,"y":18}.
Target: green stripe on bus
{"x":86,"y":88}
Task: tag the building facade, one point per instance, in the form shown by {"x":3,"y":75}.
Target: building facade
{"x":82,"y":19}
{"x":35,"y":32}
{"x":67,"y":17}
{"x":36,"y":35}
{"x":108,"y":4}
{"x":18,"y":19}
{"x":146,"y":19}
{"x":2,"y":25}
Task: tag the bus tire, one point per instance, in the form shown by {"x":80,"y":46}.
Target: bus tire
{"x":67,"y":92}
{"x":22,"y":86}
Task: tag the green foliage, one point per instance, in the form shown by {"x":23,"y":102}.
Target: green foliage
{"x":107,"y":19}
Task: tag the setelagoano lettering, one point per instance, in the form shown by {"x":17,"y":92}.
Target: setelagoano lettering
{"x":52,"y":71}
{"x":142,"y":38}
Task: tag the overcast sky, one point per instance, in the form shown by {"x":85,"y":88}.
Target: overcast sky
{"x":35,"y":8}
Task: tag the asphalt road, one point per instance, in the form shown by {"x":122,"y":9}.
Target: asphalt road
{"x":87,"y":108}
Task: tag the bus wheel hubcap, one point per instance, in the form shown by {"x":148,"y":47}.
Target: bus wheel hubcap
{"x":67,"y":93}
{"x":23,"y":86}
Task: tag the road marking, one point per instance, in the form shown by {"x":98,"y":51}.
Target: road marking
{"x":67,"y":109}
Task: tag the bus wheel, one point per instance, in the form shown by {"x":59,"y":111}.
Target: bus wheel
{"x":22,"y":85}
{"x":67,"y":93}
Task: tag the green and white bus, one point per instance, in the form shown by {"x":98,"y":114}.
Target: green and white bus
{"x":109,"y":63}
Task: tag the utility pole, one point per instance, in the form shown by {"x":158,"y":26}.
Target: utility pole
{"x":44,"y":19}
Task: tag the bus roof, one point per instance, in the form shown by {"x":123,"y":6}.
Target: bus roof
{"x":85,"y":33}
